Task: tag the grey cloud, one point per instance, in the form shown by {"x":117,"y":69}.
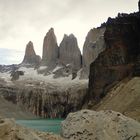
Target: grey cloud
{"x":19,"y":17}
{"x":34,"y":13}
{"x":45,"y":12}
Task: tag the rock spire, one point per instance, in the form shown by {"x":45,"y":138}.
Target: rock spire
{"x":69,"y":52}
{"x":50,"y":48}
{"x":30,"y":55}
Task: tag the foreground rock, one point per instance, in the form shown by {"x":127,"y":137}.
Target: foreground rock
{"x":30,"y":57}
{"x":9,"y":130}
{"x":103,"y":125}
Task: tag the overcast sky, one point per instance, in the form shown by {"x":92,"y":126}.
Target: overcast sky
{"x":24,"y":20}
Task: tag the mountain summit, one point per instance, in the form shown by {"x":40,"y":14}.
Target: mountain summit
{"x":30,"y":55}
{"x":69,"y":52}
{"x":50,"y":48}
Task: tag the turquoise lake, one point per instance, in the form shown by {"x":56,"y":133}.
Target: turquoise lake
{"x":48,"y":125}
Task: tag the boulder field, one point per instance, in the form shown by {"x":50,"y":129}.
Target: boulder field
{"x":81,"y":125}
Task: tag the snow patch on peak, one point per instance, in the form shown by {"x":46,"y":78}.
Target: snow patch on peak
{"x":31,"y":75}
{"x":56,"y":68}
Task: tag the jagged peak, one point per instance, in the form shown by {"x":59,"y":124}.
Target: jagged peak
{"x":65,"y":36}
{"x":30,"y":48}
{"x":50,"y":36}
{"x":30,"y":56}
{"x":30,"y":43}
{"x":94,"y":34}
{"x":50,"y":48}
{"x":93,"y":30}
{"x":69,"y":36}
{"x":72,"y":36}
{"x":50,"y":31}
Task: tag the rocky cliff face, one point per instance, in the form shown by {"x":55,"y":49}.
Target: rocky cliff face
{"x":50,"y":49}
{"x":30,"y":56}
{"x":93,"y":46}
{"x":52,"y":101}
{"x":44,"y":99}
{"x":121,"y":56}
{"x":69,"y":52}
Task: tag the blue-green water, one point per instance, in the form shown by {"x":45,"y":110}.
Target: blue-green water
{"x":48,"y":125}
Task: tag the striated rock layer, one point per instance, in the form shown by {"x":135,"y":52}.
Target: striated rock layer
{"x":50,"y":49}
{"x":93,"y":46}
{"x":103,"y":125}
{"x":30,"y":57}
{"x":50,"y":101}
{"x":44,"y":99}
{"x":121,"y":57}
{"x":69,"y":52}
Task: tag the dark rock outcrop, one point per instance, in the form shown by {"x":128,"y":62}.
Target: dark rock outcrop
{"x":120,"y":58}
{"x":63,"y":71}
{"x":30,"y":57}
{"x":8,"y":68}
{"x":50,"y":49}
{"x":16,"y":74}
{"x":93,"y":46}
{"x":69,"y":53}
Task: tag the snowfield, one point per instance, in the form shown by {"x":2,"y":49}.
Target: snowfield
{"x":30,"y":74}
